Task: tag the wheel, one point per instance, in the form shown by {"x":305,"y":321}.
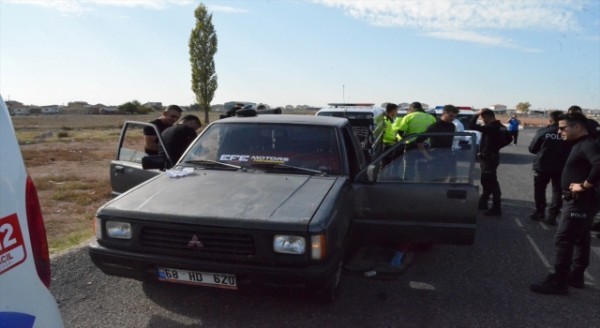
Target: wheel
{"x":330,"y":291}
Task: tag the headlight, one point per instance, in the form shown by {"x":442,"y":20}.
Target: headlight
{"x":289,"y":244}
{"x":118,"y":230}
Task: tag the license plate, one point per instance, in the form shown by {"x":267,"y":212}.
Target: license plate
{"x":220,"y":280}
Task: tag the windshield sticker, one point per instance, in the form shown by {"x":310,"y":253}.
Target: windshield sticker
{"x":12,"y":247}
{"x":239,"y":158}
{"x":255,"y":158}
{"x":270,"y":159}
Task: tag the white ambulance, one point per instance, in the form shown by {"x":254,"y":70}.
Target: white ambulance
{"x":25,"y":300}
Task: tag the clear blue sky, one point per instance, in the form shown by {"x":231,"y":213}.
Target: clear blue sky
{"x":476,"y":53}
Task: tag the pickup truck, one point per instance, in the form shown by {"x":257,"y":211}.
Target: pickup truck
{"x":277,"y":200}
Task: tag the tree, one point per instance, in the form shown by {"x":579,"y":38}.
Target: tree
{"x":131,"y":107}
{"x":203,"y":46}
{"x":523,"y":107}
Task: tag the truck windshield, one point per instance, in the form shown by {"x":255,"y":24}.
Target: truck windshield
{"x":248,"y":144}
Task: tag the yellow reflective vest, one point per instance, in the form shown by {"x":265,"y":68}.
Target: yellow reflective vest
{"x":415,"y":122}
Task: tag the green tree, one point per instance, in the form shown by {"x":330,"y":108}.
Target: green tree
{"x":131,"y":107}
{"x":523,"y":107}
{"x":203,"y":46}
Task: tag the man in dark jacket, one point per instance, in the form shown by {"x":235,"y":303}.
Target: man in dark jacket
{"x":580,"y":183}
{"x":592,"y":125}
{"x":169,"y":116}
{"x":489,"y":159}
{"x":551,"y":152}
{"x":178,"y":137}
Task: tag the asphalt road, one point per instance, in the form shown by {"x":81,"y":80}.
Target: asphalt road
{"x":484,"y":285}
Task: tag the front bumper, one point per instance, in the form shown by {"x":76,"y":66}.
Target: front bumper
{"x":143,"y":267}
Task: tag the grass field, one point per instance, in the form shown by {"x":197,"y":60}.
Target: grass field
{"x":68,"y":157}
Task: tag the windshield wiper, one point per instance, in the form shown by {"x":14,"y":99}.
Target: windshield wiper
{"x":208,"y":162}
{"x":285,"y":166}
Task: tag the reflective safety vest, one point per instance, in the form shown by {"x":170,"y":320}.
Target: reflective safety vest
{"x":389,"y":135}
{"x":415,"y":122}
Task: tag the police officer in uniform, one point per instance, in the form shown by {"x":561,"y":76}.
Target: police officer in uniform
{"x":389,"y":134}
{"x":416,"y":121}
{"x":580,"y":182}
{"x":550,"y":155}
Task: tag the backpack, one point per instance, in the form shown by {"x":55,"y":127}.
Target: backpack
{"x":505,"y":138}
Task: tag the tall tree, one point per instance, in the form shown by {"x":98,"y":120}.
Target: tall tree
{"x":203,"y":46}
{"x":523,"y":107}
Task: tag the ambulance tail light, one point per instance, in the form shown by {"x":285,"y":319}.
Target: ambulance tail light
{"x":37,"y":233}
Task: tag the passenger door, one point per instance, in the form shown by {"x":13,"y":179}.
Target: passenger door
{"x":417,"y":195}
{"x":132,"y":165}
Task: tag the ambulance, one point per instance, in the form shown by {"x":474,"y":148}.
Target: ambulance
{"x":25,"y":298}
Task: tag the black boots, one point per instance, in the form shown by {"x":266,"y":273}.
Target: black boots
{"x":537,"y":215}
{"x":576,"y":280}
{"x":483,"y":204}
{"x":551,"y":219}
{"x":550,"y":286}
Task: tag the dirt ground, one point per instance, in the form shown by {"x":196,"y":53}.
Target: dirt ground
{"x":68,"y":157}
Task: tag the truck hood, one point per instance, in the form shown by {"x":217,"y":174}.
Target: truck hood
{"x":224,"y":198}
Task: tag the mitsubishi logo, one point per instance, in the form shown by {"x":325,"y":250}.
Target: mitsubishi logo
{"x":195,"y":243}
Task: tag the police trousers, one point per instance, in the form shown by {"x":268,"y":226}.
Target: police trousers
{"x":572,"y":240}
{"x":540,"y":182}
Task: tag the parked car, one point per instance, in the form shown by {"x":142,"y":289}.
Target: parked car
{"x":25,"y":300}
{"x":277,"y":200}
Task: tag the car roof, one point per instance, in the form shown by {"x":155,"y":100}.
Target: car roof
{"x":353,"y":107}
{"x":286,"y":119}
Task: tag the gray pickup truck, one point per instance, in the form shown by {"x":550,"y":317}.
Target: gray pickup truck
{"x":277,"y":200}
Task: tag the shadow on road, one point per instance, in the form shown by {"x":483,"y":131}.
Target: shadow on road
{"x":511,"y":158}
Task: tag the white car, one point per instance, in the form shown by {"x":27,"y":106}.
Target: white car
{"x":25,"y":300}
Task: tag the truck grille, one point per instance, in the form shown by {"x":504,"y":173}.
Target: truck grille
{"x":180,"y":241}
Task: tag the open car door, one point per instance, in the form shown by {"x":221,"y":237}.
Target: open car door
{"x":418,"y":194}
{"x":132,"y":165}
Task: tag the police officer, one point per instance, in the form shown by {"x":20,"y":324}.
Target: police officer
{"x":416,"y":121}
{"x":389,"y":135}
{"x":489,"y":159}
{"x":580,"y":182}
{"x":592,"y":125}
{"x":550,"y":155}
